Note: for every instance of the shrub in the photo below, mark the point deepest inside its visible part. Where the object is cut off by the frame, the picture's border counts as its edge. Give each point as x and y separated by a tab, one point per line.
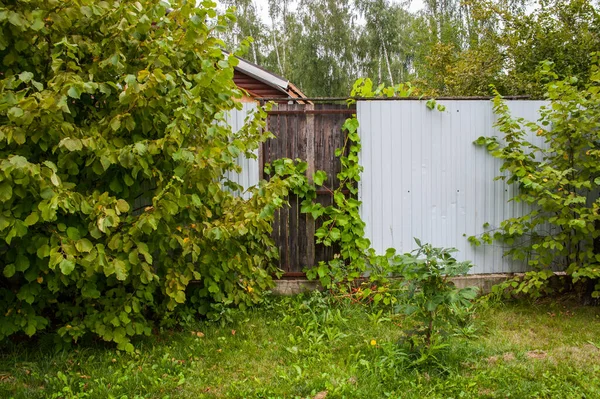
559	180
432	300
102	105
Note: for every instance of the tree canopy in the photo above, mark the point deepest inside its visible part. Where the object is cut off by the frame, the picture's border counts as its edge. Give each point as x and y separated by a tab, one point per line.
450	47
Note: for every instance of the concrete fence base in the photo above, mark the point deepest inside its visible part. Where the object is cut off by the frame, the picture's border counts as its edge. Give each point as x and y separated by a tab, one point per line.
484	282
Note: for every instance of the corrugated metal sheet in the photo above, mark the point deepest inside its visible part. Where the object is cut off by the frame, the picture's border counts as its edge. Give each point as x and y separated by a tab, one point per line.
249	175
423	177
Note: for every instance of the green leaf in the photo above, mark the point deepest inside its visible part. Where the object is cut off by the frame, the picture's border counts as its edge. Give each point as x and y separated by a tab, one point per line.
122	206
481	141
115	185
89	290
85	207
25	76
32	219
43	251
180	297
84	245
66	267
71	144
115	124
22	263
4	222
120	269
5	191
38	23
30	329
19	136
15	112
164	60
469	293
319	177
55	179
16	19
170	206
73	233
74	92
9	270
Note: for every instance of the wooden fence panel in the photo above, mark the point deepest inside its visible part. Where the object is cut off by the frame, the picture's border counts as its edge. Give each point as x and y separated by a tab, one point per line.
311	133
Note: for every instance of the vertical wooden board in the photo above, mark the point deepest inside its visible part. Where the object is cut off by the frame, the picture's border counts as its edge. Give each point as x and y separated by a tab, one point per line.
318	144
292	222
270	147
334	132
338	141
298	222
300	149
308	141
322	140
283	212
276	126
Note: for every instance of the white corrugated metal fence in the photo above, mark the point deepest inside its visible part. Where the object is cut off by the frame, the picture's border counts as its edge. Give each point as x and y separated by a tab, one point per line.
249	176
423	177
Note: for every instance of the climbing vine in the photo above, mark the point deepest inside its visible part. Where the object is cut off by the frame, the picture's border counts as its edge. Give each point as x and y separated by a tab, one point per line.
342	224
414	283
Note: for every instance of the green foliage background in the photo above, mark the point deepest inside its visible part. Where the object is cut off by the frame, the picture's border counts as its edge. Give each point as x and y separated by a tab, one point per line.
446	48
105	105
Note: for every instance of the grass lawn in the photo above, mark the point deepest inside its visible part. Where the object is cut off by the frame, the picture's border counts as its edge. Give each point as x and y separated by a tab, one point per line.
305	347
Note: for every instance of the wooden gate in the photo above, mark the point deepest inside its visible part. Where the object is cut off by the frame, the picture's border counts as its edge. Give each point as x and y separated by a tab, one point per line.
311	132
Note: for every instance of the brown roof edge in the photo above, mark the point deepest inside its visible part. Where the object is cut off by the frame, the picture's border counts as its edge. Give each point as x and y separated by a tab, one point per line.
295	92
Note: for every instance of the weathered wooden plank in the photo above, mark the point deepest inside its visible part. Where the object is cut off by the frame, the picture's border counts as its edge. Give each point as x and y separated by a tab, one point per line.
275	126
284	253
309	227
321	139
292	224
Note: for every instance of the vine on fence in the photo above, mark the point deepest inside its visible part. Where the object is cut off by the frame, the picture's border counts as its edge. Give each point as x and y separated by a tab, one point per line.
342	223
423	291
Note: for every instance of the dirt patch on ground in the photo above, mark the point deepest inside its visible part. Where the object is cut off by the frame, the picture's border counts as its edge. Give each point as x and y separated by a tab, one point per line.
584	354
536	354
507	357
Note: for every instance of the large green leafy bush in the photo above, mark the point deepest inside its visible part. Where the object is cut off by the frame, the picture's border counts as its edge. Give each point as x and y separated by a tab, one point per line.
559	180
112	155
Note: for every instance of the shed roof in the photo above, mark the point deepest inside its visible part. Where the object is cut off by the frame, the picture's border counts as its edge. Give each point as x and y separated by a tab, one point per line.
261	83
